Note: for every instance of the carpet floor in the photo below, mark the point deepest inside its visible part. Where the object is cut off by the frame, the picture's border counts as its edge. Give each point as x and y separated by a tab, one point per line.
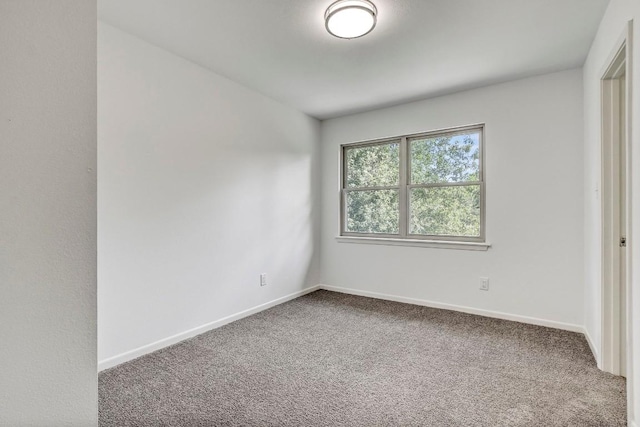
329	359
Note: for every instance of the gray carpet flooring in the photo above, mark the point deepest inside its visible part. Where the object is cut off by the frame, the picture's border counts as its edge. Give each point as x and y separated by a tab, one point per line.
328	359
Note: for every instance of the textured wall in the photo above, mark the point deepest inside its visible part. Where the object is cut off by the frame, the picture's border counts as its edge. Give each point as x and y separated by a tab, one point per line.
48	213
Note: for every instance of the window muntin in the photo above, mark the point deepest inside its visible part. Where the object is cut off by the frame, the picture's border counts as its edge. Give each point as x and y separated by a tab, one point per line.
426	186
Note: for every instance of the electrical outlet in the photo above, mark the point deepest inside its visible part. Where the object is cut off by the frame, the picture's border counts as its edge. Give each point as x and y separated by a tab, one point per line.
484	283
263	279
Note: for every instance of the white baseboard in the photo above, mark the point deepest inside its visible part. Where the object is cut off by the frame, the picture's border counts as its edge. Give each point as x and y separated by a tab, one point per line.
594	349
632	423
165	342
453	307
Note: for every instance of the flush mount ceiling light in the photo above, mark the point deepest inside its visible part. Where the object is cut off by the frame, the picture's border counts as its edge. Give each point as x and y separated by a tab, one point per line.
350	19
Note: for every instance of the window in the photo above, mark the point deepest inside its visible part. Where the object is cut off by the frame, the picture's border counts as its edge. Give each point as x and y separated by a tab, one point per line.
423	187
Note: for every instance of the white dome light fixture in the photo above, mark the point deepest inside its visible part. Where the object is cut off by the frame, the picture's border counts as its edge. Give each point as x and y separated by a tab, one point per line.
350	19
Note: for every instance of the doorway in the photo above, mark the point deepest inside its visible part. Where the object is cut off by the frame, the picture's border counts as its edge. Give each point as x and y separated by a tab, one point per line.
615	137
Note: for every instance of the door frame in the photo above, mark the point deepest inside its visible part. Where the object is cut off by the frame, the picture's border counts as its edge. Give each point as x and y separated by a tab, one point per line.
615	287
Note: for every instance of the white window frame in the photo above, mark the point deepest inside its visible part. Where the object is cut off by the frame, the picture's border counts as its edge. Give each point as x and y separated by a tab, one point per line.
404	186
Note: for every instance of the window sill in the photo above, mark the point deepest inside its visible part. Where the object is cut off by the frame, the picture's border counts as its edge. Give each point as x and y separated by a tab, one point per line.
442	244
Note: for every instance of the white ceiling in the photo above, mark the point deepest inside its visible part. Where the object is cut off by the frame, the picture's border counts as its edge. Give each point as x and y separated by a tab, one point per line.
419	49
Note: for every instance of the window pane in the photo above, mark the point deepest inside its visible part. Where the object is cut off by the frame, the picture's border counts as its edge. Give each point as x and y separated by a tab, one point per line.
445	211
373	166
445	158
373	211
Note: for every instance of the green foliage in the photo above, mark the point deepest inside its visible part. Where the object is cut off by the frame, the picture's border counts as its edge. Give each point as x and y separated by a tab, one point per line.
373	211
446	210
373	166
445	159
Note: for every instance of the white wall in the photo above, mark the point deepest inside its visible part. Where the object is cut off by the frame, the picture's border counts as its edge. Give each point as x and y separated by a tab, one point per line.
534	163
48	213
202	185
611	28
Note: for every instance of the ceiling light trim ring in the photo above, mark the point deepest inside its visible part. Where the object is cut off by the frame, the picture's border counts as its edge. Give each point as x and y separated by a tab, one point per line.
372	10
